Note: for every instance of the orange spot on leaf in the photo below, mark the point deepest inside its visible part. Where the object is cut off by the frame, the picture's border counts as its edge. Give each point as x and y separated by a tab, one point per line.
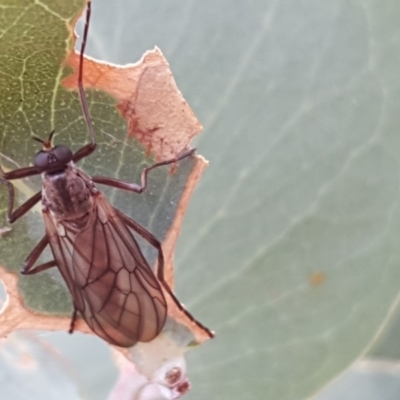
317	278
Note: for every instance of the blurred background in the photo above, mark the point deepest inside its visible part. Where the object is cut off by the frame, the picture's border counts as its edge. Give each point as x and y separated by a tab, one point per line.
290	247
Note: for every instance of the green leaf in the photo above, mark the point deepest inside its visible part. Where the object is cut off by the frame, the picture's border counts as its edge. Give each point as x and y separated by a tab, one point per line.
38	101
31	70
290	249
32	369
365	380
303	182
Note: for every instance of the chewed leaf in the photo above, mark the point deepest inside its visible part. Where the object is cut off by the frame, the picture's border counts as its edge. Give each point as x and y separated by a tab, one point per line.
147	98
138	113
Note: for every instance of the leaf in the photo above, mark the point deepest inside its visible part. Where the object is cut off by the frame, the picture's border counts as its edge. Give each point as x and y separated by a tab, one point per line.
300	105
148	99
301	128
40	104
365	380
32	369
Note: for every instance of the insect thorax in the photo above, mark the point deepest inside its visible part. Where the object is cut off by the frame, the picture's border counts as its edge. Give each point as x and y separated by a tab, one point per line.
67	194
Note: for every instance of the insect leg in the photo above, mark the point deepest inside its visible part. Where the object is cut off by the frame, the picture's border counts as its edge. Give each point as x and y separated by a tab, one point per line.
39	268
28	269
28	266
84	151
133	187
73	320
24	208
145	234
19	173
90	147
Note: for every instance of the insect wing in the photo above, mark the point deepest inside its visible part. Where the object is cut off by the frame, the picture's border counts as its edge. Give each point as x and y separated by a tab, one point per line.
112	285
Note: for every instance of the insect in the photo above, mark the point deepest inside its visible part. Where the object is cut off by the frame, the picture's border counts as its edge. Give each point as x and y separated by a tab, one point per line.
112	285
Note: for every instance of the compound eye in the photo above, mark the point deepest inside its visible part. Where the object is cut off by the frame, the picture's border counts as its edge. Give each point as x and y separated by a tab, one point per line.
62	154
41	160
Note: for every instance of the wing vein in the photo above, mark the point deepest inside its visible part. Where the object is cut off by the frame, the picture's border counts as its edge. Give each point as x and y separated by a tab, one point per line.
112	285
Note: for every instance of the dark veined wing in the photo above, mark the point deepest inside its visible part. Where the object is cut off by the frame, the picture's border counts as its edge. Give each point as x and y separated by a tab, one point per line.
112	285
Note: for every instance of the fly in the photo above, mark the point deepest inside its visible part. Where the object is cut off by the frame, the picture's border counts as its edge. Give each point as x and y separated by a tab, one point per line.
112	285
